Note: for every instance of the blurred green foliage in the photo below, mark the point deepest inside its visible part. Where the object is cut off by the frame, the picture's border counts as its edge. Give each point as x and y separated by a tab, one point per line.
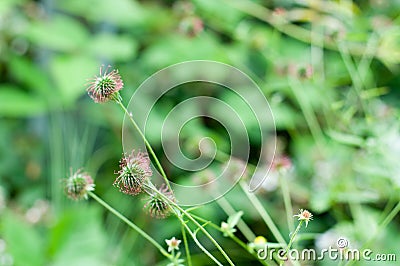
330	70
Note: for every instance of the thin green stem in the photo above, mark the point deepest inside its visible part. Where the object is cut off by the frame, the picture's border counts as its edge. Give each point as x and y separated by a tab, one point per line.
293	236
389	205
263	213
151	151
174	206
243	227
388	218
185	241
221	156
286	200
382	225
233	237
197	241
308	113
292	30
203	230
130	224
354	75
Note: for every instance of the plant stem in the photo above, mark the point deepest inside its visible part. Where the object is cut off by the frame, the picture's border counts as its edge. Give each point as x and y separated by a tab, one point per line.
203	230
119	102
354	75
178	212
292	30
130	224
185	241
308	112
263	213
233	237
286	200
243	227
382	225
197	241
293	237
390	216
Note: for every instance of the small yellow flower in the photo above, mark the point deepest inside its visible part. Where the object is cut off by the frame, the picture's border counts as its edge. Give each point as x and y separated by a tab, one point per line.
260	240
304	215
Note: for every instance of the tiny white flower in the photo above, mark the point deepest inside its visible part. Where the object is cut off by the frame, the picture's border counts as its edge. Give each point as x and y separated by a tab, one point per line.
173	243
304	215
225	226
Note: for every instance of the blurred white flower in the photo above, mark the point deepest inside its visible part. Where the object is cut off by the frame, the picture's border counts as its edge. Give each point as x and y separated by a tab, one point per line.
36	213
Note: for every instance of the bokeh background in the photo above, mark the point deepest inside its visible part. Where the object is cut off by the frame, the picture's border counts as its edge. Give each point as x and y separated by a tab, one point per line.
330	70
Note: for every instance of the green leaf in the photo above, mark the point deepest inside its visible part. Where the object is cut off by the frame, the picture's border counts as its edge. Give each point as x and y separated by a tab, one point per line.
71	73
121	12
23	242
17	103
175	49
7	5
113	47
78	238
29	74
234	219
61	33
346	138
225	16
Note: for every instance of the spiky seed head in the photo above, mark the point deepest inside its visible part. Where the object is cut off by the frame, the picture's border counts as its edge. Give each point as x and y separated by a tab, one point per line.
105	86
77	185
157	206
133	174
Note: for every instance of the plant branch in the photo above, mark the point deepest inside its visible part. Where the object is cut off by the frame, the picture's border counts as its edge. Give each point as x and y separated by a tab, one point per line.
130	224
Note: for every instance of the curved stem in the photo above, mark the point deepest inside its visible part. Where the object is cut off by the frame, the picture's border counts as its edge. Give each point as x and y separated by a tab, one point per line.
151	151
381	226
197	241
263	213
206	233
201	228
292	30
178	211
243	227
233	237
130	224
